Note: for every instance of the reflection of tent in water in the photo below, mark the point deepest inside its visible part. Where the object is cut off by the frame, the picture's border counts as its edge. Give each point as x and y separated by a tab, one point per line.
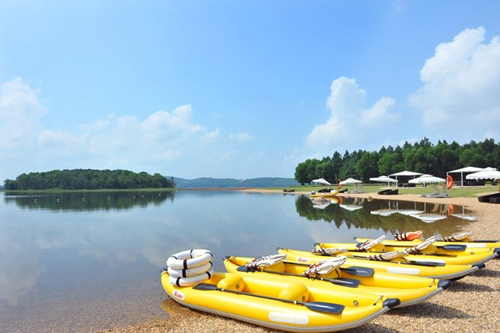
321	203
464	216
357	204
385	211
429	217
438	212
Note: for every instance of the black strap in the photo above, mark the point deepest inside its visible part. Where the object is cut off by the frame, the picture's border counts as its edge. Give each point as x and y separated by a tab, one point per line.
177	282
184	263
209	276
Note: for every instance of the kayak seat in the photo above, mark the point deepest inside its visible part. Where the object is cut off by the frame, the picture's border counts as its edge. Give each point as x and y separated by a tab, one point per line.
296	291
232	282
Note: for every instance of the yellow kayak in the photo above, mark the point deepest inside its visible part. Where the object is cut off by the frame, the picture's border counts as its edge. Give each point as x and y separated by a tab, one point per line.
445	271
409	290
431	253
325	195
464	245
279	302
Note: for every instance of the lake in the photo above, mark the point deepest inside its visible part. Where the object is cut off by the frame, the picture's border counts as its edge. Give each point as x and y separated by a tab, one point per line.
83	261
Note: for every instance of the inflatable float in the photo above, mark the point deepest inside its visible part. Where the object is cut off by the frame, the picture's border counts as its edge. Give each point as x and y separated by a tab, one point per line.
279	302
409	290
438	270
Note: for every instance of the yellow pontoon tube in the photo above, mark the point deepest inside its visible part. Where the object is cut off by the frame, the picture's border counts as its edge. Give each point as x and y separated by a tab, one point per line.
409	290
445	271
279	302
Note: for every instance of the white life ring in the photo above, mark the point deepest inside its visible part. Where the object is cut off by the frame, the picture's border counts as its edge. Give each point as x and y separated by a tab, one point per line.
189	259
189	281
190	271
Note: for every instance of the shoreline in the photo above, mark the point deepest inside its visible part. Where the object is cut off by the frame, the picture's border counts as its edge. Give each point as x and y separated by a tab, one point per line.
469	305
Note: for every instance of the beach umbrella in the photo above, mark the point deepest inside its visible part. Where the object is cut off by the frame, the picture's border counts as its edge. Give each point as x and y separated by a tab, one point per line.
350	181
321	181
384	179
355	182
429	179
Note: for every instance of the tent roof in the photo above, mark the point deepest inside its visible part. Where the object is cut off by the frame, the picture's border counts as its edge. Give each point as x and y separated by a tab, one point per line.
349	181
406	173
321	181
427	179
383	179
467	169
485	174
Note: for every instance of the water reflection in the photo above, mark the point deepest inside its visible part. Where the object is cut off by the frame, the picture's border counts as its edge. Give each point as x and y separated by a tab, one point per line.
88	201
390	216
58	257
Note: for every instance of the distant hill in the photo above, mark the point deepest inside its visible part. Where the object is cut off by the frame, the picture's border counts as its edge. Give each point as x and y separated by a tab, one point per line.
231	182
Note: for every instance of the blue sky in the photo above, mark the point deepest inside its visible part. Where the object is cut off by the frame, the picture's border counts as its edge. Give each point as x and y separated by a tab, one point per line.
239	89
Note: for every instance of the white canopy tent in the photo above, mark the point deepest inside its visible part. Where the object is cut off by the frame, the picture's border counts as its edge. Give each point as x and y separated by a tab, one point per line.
468	169
320	181
357	184
384	179
429	179
487	173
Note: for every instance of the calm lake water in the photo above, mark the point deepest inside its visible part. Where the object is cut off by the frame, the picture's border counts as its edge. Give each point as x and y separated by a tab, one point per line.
83	261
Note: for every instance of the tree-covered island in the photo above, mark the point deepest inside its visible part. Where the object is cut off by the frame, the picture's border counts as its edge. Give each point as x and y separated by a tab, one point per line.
87	179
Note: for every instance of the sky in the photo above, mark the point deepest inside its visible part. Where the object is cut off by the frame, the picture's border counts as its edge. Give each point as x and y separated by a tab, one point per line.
239	89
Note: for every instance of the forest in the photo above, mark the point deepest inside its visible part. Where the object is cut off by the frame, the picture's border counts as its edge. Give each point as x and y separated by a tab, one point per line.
422	156
87	179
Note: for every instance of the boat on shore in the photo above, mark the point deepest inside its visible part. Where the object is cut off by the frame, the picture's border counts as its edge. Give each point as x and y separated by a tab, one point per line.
417	268
410	290
279	302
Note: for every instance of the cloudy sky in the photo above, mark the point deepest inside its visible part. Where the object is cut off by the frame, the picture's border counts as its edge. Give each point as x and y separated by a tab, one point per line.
239	89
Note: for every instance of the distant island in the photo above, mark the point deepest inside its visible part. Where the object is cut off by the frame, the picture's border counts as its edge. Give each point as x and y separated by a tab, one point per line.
87	179
207	182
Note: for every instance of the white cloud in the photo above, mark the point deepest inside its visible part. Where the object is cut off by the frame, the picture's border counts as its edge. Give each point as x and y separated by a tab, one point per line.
350	122
241	137
20	113
171	154
460	83
109	142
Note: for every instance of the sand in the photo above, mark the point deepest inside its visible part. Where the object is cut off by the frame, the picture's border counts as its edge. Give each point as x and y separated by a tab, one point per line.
469	305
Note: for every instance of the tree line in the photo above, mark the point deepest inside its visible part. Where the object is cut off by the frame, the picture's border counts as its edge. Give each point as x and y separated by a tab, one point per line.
422	156
87	179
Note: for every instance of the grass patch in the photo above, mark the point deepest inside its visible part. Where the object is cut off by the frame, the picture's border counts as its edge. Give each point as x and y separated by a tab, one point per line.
456	192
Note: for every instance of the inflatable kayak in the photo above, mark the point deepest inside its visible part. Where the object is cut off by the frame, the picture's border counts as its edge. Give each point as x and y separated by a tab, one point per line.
426	269
425	251
456	241
409	290
279	302
331	194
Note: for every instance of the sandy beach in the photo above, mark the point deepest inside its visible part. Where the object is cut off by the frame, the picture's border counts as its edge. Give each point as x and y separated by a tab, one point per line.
469	305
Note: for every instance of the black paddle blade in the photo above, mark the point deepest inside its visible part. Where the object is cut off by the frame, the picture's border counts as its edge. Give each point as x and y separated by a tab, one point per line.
359	271
205	286
324	307
453	247
427	263
345	282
